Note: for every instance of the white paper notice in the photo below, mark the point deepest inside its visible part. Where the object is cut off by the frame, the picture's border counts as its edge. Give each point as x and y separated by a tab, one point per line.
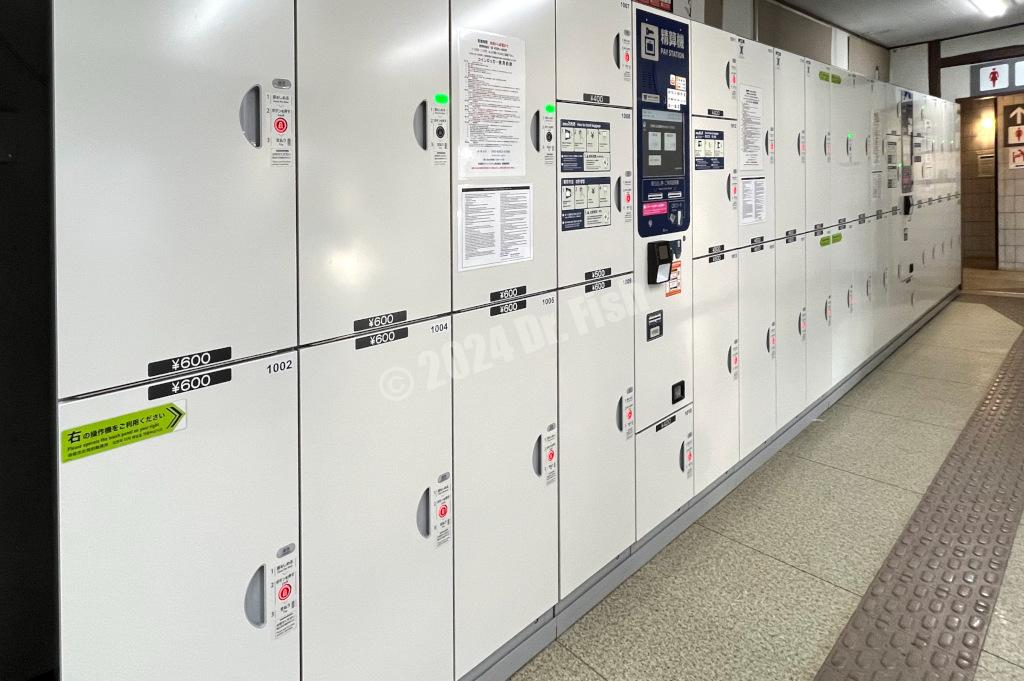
877	180
752	136
753	200
495	226
492	105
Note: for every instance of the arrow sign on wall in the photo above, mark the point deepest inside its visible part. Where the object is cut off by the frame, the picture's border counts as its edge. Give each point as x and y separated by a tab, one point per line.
1017	114
1013	125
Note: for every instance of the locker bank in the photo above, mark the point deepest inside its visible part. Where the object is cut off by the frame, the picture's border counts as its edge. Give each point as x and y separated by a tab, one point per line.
458	340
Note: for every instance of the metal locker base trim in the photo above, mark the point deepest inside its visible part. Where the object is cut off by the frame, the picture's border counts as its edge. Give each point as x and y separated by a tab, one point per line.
520	650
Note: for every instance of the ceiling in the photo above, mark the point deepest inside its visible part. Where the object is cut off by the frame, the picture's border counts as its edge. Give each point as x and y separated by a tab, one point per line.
902	22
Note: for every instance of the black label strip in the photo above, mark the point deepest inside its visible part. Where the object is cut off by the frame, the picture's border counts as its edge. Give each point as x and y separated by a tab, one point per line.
380	321
382	338
193	360
189	384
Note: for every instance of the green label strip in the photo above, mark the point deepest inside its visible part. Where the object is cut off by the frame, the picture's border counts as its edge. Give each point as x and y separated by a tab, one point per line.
836	79
127	429
825	240
836	238
823	75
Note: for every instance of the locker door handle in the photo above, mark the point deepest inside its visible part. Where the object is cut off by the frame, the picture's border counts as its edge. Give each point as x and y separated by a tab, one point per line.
618	194
537	464
728	359
799	150
849	298
682	457
885	279
535	130
419	124
768	340
867	288
249	116
728	187
728	80
616	47
423	514
824	147
766	152
255	603
618	415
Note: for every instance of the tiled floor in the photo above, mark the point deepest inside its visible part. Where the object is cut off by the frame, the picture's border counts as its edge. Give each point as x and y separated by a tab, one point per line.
762	585
1011	281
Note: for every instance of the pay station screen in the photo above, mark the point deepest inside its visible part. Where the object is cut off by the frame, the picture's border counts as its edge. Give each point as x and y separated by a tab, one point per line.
663	143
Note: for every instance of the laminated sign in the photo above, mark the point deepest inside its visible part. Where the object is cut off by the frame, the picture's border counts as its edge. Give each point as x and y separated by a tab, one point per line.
492	105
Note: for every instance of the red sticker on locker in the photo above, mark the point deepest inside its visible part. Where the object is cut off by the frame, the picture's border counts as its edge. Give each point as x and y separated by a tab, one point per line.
675	284
280	125
285	592
656	208
442	511
551	455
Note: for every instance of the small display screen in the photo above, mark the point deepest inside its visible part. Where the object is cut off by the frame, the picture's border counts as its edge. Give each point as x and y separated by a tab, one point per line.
662	133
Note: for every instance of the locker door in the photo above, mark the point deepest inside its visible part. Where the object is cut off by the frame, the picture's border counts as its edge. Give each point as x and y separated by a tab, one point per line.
716	367
885	300
842	121
819	145
715	186
374	212
757	340
595	51
790	145
862	98
755	139
819	313
175	233
506	469
377	505
503	169
184	539
597	510
663	332
664	470
713	72
843	254
790	328
595	230
866	286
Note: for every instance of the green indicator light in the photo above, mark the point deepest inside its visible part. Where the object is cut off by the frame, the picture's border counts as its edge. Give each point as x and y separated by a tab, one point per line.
849	135
441	98
550	108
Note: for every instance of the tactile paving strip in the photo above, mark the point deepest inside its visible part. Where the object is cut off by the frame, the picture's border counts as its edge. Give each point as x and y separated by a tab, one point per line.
925	615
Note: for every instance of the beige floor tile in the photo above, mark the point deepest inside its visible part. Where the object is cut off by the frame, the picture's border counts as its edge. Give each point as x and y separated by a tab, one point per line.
991	668
886	448
831	523
710	609
941	403
949	364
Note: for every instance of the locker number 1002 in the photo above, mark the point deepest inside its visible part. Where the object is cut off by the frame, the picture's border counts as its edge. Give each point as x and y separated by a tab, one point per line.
276	367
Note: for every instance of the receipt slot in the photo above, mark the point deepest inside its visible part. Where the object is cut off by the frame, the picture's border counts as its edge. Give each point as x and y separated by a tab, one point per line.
660	256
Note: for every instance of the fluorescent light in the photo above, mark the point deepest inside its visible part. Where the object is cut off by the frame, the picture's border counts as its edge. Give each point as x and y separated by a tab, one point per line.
990	8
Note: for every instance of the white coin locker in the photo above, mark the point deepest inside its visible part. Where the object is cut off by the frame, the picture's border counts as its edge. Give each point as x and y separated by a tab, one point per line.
179	548
374	210
596	428
595	192
665	460
755	139
504	150
377	505
714	186
716	372
713	71
506	467
174	188
790	328
595	51
757	340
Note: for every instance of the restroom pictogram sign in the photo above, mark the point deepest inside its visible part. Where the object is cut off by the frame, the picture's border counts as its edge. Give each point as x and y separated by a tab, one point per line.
1013	125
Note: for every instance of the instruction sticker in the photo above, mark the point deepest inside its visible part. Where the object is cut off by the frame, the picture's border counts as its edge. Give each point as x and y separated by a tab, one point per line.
495	226
586	202
441	522
586	146
708	150
102	436
753	200
283	594
492	105
752	132
549	449
281	136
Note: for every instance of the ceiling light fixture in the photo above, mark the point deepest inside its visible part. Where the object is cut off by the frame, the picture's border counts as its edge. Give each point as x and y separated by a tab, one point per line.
990	8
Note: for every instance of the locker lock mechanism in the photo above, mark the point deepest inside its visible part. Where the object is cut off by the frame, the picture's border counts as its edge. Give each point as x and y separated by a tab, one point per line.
660	256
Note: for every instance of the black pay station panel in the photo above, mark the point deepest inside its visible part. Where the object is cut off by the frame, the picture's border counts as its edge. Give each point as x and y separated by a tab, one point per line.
662	103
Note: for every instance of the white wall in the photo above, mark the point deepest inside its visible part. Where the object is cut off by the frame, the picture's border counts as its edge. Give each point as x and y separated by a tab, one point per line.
693	9
956	82
982	41
738	17
908	67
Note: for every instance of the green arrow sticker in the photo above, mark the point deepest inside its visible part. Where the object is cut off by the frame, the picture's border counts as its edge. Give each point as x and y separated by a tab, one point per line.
823	75
825	241
127	429
836	80
836	238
